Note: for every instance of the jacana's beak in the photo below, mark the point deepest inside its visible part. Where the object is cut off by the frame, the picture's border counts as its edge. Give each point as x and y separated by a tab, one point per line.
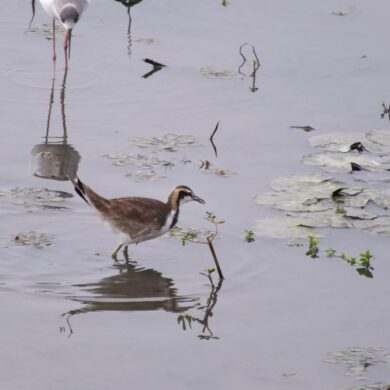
197	199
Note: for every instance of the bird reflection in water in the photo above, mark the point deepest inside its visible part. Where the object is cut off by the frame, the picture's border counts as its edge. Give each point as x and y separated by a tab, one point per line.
54	158
132	289
128	4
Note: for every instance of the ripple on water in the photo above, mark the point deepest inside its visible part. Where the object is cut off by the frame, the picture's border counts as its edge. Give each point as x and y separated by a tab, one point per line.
41	78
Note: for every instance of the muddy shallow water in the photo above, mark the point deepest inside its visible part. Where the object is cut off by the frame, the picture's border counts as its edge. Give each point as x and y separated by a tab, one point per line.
73	319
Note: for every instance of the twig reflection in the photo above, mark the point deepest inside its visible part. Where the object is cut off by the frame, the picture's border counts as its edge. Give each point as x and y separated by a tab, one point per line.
212	139
187	320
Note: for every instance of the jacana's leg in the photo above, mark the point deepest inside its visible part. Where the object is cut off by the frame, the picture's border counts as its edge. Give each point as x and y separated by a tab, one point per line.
54	40
126	253
116	251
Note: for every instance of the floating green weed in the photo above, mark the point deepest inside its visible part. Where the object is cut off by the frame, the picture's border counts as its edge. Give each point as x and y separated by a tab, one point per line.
385	110
362	262
249	236
313	247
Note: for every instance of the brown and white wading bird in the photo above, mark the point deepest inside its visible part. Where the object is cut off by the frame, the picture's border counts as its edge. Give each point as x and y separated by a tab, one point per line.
137	219
68	12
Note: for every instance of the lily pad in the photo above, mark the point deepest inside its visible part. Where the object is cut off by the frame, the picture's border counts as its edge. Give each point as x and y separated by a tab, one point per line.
139	160
168	142
374	141
216	74
283	227
358	363
149	175
36	197
300	193
347	162
315	202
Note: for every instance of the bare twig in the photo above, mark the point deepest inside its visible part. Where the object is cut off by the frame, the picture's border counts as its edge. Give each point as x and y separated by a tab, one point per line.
210	243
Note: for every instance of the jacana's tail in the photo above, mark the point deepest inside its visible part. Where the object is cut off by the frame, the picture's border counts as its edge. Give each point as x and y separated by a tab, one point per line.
79	187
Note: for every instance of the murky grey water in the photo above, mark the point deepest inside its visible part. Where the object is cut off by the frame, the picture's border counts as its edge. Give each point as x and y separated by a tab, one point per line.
72	319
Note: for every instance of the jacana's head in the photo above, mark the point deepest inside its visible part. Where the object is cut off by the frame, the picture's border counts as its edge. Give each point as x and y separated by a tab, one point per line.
183	194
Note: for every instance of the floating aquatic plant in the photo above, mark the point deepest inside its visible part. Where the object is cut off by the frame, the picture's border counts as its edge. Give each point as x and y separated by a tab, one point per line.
385	110
249	236
216	74
36	197
149	175
362	262
167	142
358	363
32	238
313	201
208	167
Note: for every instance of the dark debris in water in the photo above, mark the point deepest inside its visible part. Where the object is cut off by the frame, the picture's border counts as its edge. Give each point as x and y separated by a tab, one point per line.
304	128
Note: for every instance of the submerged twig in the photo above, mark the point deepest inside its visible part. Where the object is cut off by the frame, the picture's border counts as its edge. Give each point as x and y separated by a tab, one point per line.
212	139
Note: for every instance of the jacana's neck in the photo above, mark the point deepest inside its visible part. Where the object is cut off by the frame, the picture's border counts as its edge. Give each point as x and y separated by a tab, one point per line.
174	208
174	201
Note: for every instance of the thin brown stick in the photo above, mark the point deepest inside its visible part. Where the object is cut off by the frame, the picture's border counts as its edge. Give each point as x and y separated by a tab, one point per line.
210	243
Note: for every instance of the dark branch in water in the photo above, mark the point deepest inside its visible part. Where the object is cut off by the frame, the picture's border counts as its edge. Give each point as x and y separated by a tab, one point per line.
212	139
210	243
156	67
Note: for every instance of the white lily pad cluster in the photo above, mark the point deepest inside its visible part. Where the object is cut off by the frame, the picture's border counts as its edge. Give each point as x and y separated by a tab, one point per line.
168	142
32	238
146	175
315	201
140	160
35	197
358	362
153	165
345	153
